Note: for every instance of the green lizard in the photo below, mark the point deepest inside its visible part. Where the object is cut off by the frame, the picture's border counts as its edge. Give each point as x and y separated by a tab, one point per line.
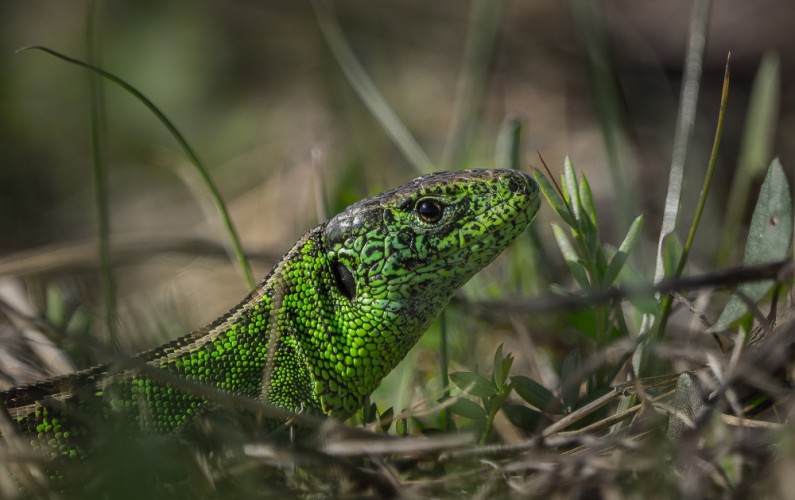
318	334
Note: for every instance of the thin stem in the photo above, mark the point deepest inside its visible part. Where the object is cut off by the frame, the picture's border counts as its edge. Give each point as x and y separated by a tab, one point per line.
667	301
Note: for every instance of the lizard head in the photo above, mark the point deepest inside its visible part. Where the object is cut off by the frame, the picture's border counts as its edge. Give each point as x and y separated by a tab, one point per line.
397	258
422	241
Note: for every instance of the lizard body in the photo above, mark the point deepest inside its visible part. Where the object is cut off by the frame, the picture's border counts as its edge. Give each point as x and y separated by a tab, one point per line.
322	329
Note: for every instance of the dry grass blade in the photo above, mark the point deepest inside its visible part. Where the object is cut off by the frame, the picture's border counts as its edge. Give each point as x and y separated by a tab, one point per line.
406	446
124	249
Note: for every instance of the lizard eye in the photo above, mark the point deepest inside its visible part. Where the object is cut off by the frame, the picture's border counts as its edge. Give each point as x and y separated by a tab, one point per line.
430	210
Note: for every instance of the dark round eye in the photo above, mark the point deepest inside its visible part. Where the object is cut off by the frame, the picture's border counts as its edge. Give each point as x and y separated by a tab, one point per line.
430	211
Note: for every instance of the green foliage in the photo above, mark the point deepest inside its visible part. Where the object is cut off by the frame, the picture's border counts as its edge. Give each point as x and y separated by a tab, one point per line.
493	394
593	265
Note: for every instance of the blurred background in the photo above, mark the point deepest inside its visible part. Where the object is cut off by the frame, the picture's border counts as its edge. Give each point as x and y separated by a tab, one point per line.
257	91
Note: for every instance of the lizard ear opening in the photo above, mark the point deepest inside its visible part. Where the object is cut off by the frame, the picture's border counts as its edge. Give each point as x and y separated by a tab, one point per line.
344	278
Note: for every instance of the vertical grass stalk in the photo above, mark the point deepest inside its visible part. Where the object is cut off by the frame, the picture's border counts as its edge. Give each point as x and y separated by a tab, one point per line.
686	120
97	111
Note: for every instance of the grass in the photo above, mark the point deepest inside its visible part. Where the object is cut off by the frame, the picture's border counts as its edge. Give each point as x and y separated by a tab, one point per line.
592	387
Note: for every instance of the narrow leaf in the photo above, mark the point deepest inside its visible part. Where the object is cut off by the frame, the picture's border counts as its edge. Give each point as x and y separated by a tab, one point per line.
571	189
497	373
468	409
620	258
473	384
586	200
769	239
552	196
570	256
535	394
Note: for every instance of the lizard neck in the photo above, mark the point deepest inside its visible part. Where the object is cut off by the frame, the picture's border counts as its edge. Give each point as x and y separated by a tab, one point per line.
256	349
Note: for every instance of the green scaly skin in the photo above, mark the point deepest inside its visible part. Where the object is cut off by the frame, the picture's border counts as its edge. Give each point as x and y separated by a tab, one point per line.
318	334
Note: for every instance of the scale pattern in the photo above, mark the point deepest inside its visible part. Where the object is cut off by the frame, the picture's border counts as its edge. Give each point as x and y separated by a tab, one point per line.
318	334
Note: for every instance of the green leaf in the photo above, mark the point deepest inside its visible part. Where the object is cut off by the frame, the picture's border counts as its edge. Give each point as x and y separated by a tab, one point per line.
523	417
672	254
467	409
769	239
620	258
473	384
535	394
497	373
502	367
570	256
570	188
586	199
588	233
506	367
553	198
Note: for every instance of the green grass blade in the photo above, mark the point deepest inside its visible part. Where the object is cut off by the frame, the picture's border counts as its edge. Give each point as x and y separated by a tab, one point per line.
97	110
713	158
367	90
237	247
769	240
685	123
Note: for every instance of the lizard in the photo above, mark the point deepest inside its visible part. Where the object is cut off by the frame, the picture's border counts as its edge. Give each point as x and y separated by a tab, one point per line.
336	314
